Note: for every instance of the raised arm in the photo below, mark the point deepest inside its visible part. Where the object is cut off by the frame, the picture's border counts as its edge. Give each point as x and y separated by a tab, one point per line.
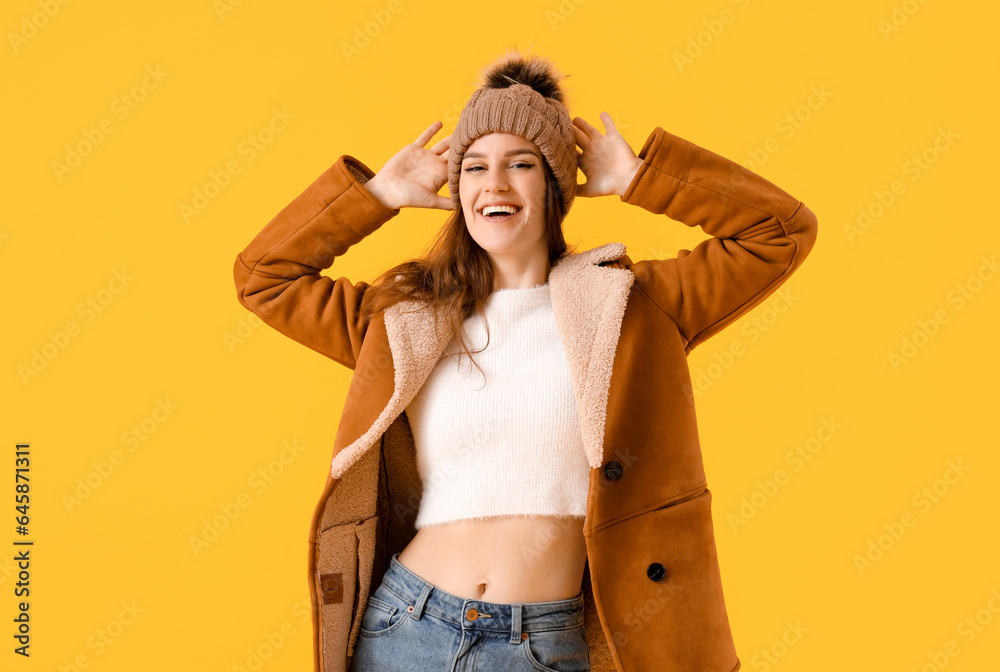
278	274
761	234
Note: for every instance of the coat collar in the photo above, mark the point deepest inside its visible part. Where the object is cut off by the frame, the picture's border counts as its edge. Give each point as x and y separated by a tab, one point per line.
588	301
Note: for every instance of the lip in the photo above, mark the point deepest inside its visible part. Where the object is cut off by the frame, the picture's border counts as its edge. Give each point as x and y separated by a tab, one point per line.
479	211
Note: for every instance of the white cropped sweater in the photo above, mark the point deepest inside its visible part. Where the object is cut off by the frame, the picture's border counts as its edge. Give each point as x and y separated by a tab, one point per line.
510	444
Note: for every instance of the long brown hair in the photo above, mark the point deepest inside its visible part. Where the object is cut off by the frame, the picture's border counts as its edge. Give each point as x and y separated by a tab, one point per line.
455	275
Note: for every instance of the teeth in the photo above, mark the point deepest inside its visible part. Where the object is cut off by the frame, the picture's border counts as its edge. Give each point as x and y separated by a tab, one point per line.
508	209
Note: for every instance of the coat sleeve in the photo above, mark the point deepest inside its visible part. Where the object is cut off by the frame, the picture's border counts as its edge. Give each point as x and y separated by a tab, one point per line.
760	233
278	274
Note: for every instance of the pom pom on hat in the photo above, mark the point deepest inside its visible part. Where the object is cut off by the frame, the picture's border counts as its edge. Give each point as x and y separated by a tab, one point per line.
522	96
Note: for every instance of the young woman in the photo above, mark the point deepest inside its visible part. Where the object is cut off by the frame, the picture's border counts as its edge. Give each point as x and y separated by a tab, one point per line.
517	482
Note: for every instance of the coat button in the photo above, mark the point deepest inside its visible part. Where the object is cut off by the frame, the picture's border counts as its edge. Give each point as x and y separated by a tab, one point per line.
613	470
656	571
472	614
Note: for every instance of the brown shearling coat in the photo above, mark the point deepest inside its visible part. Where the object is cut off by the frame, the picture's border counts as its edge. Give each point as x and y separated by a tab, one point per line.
652	584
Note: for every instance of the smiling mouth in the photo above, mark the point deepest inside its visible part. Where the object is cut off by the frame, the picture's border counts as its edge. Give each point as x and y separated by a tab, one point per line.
499	214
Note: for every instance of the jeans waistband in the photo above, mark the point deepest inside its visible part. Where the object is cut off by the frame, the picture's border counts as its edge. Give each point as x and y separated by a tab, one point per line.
470	614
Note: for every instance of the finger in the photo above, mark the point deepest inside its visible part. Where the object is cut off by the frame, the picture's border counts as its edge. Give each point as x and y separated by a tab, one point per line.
586	127
445	203
429	133
581	137
609	123
442	146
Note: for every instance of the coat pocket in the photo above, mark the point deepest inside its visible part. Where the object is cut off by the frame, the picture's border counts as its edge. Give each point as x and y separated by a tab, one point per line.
343	576
658	582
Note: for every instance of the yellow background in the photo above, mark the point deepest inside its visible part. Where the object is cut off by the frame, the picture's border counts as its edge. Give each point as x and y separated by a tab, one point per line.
240	393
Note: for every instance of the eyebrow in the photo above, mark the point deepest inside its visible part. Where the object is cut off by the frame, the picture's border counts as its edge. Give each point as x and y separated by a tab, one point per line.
513	152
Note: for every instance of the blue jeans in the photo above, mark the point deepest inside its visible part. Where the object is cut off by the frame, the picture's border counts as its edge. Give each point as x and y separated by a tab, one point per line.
412	625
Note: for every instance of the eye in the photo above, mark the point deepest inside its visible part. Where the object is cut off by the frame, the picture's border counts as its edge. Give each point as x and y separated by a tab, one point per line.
519	164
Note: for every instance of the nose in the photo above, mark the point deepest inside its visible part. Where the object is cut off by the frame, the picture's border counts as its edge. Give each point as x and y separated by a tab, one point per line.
496	182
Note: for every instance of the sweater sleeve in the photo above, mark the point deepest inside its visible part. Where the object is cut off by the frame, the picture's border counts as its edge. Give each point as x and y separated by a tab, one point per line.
761	234
278	274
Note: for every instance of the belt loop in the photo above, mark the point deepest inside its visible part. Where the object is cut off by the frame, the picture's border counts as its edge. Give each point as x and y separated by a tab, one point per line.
418	608
515	624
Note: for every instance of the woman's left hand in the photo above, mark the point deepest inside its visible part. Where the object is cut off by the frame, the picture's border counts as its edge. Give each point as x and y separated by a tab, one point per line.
607	160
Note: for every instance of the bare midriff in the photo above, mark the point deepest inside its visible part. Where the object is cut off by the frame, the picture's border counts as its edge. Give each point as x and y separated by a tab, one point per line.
505	560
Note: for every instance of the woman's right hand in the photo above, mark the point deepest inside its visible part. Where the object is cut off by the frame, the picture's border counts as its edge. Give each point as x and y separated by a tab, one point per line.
414	175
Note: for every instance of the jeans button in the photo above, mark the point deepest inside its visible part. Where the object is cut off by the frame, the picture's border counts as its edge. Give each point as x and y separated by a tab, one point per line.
472	614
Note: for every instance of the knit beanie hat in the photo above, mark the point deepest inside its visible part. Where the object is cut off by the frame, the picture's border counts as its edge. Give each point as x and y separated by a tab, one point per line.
520	96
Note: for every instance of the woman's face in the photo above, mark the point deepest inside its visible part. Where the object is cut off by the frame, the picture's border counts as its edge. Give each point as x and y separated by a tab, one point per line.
502	168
